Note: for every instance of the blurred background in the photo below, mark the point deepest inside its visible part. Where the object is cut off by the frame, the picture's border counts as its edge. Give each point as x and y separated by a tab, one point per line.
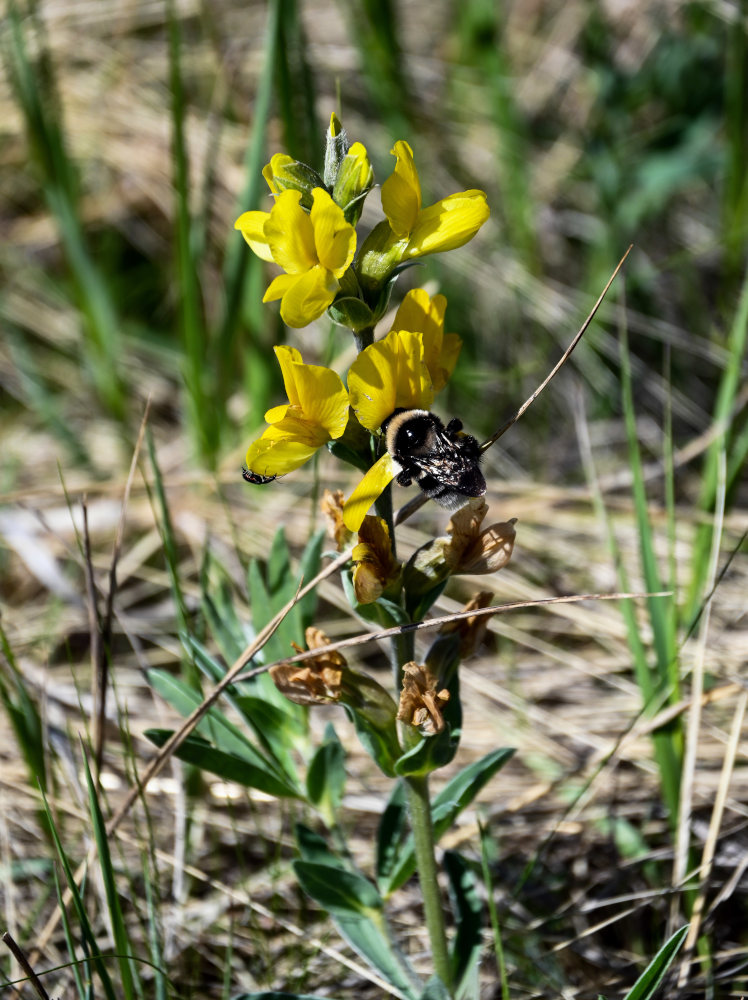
133	135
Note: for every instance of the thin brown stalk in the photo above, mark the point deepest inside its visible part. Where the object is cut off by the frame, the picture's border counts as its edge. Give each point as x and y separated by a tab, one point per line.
408	509
409	629
24	963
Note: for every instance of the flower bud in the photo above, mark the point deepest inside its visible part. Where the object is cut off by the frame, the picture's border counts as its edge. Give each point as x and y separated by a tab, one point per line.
283	173
353	182
427	567
336	146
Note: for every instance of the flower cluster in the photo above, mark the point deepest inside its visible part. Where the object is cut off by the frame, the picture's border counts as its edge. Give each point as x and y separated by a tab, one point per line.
310	233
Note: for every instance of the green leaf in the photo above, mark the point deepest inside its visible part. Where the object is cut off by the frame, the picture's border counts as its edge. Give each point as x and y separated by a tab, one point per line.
356	907
436	990
393	827
325	779
215	727
314	848
231	767
308	569
646	985
467	907
446	807
348	894
383	613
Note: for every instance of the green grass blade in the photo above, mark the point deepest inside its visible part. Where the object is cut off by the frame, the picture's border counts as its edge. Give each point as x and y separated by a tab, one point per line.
239	266
203	413
36	94
733	444
498	944
648	983
122	944
665	683
89	938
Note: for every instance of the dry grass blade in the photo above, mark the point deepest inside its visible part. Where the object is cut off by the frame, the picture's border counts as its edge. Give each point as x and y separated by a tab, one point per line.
20	957
707	857
561	362
683	837
496	609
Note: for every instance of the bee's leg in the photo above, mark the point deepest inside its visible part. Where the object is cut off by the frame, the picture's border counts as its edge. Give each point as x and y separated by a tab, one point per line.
453	428
404	478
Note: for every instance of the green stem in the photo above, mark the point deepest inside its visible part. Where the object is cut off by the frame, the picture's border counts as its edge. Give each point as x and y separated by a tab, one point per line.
363	338
419	807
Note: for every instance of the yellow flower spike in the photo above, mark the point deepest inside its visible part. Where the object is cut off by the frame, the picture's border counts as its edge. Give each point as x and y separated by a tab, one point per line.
314	250
389	374
316	412
446	225
419	312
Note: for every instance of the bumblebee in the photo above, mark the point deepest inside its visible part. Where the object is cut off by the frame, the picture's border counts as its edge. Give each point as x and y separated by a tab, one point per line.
255	478
443	461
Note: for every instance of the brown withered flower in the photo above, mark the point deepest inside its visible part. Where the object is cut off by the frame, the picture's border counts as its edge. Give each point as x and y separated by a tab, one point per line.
470	631
374	567
465	549
421	702
332	508
315	682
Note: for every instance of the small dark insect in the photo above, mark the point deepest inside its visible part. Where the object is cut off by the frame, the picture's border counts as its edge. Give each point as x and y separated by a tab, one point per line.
443	461
255	478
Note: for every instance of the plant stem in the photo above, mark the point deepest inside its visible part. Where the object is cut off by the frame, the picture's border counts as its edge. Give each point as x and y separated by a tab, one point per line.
419	807
363	338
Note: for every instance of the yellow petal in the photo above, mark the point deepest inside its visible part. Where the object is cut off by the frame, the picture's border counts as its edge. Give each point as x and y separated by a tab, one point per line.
323	398
276	413
288	359
448	224
334	238
277	457
418	311
376	480
279	286
271	170
401	192
389	374
290	235
414	388
252	227
308	296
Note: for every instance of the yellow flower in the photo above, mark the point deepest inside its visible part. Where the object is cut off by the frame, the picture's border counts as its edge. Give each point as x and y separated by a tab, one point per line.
448	224
403	370
316	412
314	250
387	375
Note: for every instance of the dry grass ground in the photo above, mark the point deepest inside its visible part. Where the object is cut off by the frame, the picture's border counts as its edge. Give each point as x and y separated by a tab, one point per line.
583	857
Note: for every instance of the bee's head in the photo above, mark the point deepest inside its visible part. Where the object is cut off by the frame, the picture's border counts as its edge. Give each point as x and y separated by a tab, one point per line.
407	432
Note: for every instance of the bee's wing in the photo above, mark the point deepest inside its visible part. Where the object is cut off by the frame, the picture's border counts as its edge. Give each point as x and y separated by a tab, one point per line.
450	465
